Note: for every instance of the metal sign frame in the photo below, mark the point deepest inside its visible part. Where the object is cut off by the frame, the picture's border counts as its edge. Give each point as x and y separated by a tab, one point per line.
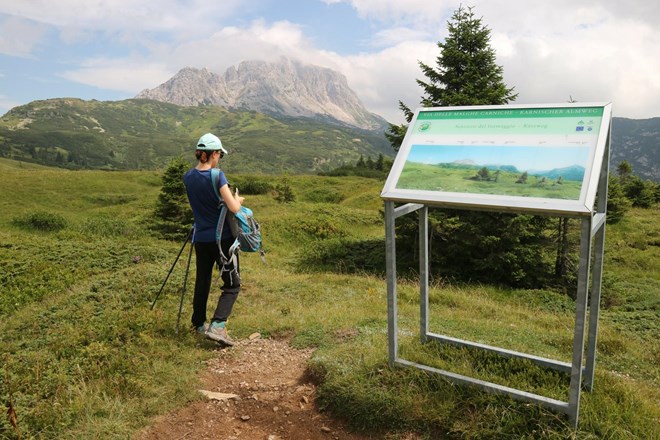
592	238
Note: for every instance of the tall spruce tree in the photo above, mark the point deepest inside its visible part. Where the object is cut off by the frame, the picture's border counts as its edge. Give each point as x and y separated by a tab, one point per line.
466	72
489	247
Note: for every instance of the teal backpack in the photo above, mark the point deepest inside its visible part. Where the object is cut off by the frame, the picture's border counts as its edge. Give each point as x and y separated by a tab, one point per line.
244	228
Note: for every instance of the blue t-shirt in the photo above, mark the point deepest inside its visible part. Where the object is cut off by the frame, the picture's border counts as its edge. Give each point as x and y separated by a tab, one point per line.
204	204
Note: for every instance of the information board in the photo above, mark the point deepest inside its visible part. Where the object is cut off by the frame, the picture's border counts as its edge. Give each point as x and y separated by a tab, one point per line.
541	158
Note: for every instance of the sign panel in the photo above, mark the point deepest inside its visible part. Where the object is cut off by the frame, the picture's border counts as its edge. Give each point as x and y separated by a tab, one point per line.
543	158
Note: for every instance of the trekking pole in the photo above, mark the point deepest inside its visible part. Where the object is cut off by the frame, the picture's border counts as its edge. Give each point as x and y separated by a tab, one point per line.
183	290
185	242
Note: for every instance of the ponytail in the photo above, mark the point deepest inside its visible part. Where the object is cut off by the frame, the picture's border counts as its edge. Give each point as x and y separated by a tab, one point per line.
201	156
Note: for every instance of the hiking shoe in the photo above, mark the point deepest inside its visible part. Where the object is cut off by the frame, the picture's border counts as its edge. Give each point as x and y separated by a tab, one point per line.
218	333
202	329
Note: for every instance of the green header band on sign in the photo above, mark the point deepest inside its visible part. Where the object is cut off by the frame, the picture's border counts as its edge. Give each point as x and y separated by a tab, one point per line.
567	112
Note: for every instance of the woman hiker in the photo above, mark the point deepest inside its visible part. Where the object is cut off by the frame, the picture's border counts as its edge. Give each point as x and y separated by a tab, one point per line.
204	204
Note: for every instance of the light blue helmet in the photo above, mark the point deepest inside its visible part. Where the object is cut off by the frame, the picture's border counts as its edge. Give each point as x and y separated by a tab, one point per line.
210	142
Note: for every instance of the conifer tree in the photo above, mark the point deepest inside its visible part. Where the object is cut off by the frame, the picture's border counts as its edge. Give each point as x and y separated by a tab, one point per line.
617	202
640	193
284	192
173	216
380	162
625	171
466	72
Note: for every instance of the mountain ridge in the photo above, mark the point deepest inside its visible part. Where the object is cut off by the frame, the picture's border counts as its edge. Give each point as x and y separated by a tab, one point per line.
285	87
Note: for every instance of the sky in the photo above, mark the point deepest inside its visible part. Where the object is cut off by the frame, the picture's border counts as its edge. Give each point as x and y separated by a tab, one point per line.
550	51
523	158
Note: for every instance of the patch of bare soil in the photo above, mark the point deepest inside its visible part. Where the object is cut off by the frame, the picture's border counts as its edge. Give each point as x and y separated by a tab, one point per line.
259	390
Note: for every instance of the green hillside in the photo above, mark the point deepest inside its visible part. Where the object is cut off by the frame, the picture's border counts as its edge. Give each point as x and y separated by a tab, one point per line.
143	134
84	357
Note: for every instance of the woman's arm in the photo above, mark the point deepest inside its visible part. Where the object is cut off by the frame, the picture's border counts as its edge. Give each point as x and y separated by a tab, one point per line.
233	203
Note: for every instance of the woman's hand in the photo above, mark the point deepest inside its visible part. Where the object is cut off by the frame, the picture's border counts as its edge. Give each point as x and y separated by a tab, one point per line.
233	203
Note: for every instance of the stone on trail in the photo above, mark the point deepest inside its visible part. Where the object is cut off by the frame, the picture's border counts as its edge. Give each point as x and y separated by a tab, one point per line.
218	396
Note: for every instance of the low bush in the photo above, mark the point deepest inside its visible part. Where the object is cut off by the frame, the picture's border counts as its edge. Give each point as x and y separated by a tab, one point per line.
41	220
250	186
319	226
324	195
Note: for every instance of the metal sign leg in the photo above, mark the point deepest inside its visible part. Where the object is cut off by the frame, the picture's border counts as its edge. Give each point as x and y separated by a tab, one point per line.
423	273
594	307
390	256
580	321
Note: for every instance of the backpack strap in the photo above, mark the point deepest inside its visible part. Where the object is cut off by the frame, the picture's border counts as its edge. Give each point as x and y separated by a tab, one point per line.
215	181
233	250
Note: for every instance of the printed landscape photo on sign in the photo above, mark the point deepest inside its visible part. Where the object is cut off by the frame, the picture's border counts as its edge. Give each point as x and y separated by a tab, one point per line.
507	170
520	158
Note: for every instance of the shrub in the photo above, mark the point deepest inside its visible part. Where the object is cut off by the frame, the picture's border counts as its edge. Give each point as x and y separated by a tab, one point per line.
250	186
312	225
284	192
324	195
41	220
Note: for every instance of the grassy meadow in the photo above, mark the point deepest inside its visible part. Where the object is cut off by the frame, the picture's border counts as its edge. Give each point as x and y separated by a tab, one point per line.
461	179
84	357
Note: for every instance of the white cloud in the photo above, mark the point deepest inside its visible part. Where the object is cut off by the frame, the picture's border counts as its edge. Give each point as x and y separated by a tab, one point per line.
393	36
149	15
231	45
419	12
121	21
19	37
607	60
122	75
382	79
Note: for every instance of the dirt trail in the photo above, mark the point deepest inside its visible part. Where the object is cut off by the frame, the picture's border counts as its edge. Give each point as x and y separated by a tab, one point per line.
274	399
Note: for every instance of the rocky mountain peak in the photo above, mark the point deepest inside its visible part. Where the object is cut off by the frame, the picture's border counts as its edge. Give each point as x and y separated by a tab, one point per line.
285	87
